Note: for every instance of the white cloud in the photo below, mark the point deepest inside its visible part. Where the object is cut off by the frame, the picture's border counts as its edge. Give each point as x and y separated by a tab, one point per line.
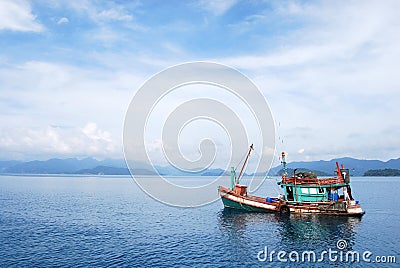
115	14
63	20
93	132
52	141
332	77
16	15
173	48
217	7
333	34
96	11
35	95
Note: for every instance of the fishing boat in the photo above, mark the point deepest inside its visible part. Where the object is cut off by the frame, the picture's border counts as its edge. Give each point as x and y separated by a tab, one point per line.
303	193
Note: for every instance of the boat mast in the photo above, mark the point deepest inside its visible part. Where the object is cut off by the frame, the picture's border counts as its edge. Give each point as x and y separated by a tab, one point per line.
244	164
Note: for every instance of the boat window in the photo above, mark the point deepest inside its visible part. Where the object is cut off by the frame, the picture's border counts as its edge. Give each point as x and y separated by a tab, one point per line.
313	190
321	190
304	190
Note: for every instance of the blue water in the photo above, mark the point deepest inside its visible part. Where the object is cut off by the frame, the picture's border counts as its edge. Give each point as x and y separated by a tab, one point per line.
110	222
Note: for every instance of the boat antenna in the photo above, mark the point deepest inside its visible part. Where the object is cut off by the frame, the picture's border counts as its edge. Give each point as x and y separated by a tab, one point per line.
284	164
244	164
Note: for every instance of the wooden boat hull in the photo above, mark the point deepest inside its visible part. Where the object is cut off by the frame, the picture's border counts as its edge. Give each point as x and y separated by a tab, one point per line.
246	202
229	203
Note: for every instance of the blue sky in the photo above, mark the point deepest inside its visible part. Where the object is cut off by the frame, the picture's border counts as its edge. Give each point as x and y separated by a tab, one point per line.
329	70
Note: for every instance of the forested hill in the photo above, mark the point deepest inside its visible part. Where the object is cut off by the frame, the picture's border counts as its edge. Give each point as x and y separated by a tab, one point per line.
387	172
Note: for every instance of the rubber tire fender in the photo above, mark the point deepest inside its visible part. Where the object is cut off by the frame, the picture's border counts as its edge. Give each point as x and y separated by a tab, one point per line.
284	210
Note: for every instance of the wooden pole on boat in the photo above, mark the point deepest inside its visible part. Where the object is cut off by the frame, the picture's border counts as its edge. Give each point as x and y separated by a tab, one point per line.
233	178
244	164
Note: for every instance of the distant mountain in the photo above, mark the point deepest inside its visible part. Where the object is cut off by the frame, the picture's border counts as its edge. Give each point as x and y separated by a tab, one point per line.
104	170
118	167
95	167
72	166
172	171
215	172
357	167
6	164
53	166
120	163
387	172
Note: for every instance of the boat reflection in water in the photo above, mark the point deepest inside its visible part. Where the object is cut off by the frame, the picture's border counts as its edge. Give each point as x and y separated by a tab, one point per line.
287	232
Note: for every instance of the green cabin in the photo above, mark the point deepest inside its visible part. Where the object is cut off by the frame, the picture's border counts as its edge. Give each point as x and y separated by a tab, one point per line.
306	187
313	193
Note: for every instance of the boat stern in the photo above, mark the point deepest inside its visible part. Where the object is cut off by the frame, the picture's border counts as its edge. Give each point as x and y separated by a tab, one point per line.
354	208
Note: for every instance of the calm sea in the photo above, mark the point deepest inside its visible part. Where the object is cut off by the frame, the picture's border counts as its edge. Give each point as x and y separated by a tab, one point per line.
110	222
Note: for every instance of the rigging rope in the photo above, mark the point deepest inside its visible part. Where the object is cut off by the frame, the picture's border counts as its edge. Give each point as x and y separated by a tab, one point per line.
239	164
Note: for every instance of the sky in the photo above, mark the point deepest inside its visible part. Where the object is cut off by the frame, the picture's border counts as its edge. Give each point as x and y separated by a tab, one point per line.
328	69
